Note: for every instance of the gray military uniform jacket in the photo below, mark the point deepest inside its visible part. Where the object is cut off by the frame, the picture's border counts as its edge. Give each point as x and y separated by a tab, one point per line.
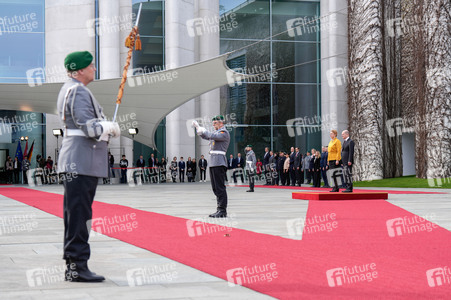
80	114
219	142
251	161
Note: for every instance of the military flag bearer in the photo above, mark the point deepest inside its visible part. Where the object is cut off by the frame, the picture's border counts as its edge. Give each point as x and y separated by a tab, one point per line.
219	142
83	159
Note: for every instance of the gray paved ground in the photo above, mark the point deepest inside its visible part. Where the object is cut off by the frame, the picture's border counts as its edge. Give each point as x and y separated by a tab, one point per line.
40	245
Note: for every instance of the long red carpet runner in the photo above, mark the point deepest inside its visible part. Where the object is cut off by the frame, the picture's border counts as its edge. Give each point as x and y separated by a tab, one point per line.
353	249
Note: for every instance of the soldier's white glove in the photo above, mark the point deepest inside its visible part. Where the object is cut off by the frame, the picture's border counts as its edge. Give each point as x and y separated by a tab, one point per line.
195	124
201	130
109	128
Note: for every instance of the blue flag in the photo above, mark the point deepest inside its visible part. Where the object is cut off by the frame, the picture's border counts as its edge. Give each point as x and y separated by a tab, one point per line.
19	154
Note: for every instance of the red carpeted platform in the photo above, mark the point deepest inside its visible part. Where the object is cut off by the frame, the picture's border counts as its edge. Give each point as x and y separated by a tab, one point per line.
339	196
328	189
319	266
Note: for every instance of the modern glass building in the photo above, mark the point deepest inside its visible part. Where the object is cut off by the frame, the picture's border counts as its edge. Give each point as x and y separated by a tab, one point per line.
258	34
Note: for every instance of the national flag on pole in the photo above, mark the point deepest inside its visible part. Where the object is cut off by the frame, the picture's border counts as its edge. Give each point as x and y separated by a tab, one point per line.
31	151
19	154
25	152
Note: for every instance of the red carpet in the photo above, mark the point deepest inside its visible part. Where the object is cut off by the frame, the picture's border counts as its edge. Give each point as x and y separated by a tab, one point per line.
325	190
392	267
318	196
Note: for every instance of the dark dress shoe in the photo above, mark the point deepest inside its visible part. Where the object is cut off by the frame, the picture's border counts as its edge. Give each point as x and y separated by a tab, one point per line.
219	214
347	191
334	190
78	271
250	191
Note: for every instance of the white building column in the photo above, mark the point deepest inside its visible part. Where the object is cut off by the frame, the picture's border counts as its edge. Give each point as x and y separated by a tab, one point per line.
334	41
179	51
208	104
109	55
65	32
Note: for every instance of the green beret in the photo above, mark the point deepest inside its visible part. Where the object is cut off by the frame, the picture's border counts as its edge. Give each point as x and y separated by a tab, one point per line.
218	118
78	60
250	146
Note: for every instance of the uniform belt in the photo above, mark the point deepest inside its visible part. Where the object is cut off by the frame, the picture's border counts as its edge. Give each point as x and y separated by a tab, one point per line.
217	152
74	132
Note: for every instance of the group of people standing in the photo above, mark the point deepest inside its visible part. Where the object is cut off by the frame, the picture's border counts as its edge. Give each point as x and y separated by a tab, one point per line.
294	168
155	171
45	167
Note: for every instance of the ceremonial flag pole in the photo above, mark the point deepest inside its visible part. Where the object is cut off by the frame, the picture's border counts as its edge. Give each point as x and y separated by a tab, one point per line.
132	40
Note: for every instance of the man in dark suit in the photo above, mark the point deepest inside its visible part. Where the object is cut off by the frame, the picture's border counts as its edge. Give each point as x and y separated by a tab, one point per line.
265	162
141	163
281	174
203	168
153	171
182	166
347	157
240	164
231	162
297	165
292	175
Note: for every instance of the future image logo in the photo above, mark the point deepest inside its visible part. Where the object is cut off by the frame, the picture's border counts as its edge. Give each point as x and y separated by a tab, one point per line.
409	225
351	274
252	274
438	276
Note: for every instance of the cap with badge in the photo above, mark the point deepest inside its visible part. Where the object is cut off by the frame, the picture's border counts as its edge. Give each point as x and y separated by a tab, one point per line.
77	60
249	146
218	118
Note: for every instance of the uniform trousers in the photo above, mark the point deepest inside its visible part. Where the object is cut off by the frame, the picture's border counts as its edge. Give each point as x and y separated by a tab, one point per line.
217	177
79	192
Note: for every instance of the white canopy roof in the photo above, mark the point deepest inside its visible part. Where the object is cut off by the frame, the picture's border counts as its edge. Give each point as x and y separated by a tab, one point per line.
150	96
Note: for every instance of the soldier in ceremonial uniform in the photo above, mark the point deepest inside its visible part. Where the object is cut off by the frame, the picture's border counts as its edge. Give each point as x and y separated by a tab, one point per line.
219	142
83	159
251	162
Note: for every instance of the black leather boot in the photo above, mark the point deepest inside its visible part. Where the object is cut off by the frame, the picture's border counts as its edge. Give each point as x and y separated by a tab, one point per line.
219	214
78	271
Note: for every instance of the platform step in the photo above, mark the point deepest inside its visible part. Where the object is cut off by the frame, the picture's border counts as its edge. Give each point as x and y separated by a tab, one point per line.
340	196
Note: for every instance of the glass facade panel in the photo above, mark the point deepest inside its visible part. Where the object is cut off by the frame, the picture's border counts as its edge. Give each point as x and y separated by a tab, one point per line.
22	55
242	13
300	15
265	109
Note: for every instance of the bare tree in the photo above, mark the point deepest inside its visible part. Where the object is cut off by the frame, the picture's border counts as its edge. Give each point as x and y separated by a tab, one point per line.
392	104
437	45
365	86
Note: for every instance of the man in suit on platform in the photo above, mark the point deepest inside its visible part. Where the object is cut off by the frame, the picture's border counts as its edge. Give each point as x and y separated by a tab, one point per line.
203	168
347	157
182	166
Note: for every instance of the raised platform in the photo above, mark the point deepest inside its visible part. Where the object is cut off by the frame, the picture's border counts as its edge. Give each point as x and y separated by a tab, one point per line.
340	196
